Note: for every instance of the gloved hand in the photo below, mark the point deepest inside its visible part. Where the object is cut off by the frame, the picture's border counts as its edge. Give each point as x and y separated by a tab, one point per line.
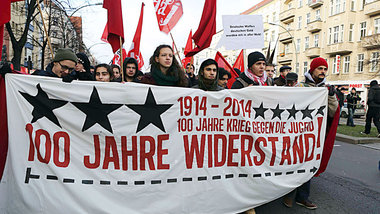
331	89
68	78
5	68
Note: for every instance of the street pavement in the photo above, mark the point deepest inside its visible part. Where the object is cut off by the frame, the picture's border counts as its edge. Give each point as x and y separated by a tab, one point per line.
351	184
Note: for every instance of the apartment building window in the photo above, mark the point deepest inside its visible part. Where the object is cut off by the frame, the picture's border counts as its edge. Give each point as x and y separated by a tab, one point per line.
363	29
274	17
297	67
267	18
341	33
334	71
305	68
299	3
308	18
360	63
299	22
330	32
318	14
352	5
346	64
374	62
316	40
272	36
351	33
306	43
288	26
298	45
336	34
286	50
266	37
377	25
289	6
331	7
337	6
343	5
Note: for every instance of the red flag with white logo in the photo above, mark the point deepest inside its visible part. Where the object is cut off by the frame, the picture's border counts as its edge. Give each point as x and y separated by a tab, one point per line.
188	47
134	51
168	12
114	23
116	58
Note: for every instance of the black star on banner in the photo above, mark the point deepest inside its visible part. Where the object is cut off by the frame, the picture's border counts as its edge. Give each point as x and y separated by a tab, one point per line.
307	113
260	111
43	106
320	110
277	112
150	112
96	111
292	112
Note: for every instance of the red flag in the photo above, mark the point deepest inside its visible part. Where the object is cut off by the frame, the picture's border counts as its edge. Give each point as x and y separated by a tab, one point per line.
134	51
116	58
206	28
114	23
5	17
239	64
222	63
188	47
168	13
105	34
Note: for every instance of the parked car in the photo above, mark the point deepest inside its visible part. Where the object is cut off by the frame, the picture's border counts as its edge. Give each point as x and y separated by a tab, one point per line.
359	111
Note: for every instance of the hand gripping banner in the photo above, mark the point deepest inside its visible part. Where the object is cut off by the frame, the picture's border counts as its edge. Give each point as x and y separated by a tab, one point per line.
94	147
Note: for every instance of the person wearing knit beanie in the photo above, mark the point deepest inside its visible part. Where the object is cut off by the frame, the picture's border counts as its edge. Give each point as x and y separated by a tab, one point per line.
318	69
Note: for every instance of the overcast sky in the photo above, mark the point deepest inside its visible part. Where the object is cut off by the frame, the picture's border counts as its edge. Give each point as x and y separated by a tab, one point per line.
95	18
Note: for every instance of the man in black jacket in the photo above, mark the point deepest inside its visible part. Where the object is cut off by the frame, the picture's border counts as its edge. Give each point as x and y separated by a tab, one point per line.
373	112
352	101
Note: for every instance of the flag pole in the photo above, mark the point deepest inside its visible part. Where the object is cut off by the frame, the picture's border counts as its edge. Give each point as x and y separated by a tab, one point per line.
46	33
122	59
175	46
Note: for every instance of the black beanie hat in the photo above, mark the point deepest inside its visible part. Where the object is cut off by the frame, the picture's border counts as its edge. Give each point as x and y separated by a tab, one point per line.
373	83
65	54
82	58
255	57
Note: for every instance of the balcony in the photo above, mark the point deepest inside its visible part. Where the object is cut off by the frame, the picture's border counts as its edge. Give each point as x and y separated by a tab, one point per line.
339	48
314	26
285	58
315	3
287	16
372	9
285	37
371	42
313	52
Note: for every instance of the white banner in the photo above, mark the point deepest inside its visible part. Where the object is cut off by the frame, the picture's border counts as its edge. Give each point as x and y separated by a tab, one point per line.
94	147
242	32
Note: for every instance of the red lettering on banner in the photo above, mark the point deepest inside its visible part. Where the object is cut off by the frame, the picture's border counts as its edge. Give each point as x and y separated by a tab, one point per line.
257	161
39	133
232	150
307	145
209	149
245	152
29	129
273	141
161	152
147	155
86	159
111	145
194	148
320	120
66	149
298	150
285	155
132	153
216	149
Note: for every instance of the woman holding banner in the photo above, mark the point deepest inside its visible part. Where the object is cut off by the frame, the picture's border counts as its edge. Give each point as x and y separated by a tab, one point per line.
165	69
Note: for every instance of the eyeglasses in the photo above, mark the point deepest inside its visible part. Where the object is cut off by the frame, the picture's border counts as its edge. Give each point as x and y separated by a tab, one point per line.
64	67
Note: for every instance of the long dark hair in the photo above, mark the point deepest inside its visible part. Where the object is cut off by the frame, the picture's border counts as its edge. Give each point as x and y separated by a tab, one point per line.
109	70
174	70
208	84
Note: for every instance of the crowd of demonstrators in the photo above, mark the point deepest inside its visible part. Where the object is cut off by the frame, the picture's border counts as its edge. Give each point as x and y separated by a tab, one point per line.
165	69
224	76
373	111
116	73
352	101
208	76
193	79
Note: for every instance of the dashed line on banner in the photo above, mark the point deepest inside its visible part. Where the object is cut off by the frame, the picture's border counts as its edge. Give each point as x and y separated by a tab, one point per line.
29	176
